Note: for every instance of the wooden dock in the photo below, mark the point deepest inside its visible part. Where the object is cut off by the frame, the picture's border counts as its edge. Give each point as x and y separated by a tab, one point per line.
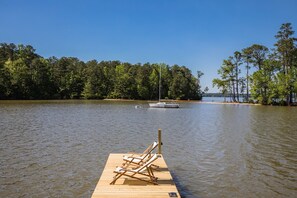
128	187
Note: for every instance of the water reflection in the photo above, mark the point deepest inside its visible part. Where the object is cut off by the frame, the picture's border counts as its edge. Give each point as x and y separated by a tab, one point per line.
59	148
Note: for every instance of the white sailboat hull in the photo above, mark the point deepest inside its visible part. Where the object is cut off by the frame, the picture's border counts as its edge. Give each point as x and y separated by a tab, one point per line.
163	105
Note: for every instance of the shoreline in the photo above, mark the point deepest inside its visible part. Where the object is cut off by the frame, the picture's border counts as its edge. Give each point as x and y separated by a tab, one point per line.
127	100
142	101
132	100
231	103
185	101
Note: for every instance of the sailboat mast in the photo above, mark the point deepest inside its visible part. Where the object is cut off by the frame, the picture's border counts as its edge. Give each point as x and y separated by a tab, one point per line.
160	84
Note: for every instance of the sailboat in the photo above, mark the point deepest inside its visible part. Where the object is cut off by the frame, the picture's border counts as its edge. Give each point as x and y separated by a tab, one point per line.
162	104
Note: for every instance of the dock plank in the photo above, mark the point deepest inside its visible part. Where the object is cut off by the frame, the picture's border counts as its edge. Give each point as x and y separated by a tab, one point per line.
128	187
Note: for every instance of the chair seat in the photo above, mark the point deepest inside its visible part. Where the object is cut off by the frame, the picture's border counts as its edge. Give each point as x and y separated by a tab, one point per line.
119	169
135	160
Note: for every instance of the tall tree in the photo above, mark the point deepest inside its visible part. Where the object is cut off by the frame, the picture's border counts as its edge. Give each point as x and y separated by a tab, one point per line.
258	55
222	85
246	55
199	87
154	81
226	82
125	86
95	85
261	88
285	47
7	52
43	86
143	81
237	61
110	78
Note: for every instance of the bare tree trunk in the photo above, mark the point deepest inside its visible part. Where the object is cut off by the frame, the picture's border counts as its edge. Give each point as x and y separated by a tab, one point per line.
247	82
237	90
234	92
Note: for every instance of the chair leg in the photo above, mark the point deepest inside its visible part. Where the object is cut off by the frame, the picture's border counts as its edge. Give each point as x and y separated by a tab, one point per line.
116	177
152	176
148	181
155	166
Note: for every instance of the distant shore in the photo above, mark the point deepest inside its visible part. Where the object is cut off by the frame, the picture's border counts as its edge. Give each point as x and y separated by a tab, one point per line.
184	101
229	103
146	101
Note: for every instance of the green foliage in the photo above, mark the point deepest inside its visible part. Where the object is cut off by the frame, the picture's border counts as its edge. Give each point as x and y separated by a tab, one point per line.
143	81
124	86
230	80
184	85
275	78
95	85
26	75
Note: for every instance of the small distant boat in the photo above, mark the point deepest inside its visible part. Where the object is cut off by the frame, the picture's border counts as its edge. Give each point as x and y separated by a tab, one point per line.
162	104
138	107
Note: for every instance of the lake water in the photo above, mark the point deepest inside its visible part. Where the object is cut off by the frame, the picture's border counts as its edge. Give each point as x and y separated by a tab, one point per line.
59	148
220	99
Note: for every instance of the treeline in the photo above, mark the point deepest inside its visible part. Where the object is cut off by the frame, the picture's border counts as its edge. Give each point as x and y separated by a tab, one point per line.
274	76
27	75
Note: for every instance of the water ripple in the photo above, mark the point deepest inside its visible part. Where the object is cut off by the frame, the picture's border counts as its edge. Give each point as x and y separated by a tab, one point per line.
59	148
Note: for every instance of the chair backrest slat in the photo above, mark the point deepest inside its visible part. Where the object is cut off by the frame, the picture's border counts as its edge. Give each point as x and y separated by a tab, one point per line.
147	163
150	148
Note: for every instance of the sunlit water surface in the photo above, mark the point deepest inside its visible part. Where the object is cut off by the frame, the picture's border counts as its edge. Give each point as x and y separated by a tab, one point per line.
59	148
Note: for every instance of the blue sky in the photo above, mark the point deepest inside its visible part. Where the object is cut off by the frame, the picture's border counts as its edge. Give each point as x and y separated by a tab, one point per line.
198	34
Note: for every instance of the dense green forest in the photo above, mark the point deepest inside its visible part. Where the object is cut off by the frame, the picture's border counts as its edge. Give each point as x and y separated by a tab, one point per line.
26	75
269	75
